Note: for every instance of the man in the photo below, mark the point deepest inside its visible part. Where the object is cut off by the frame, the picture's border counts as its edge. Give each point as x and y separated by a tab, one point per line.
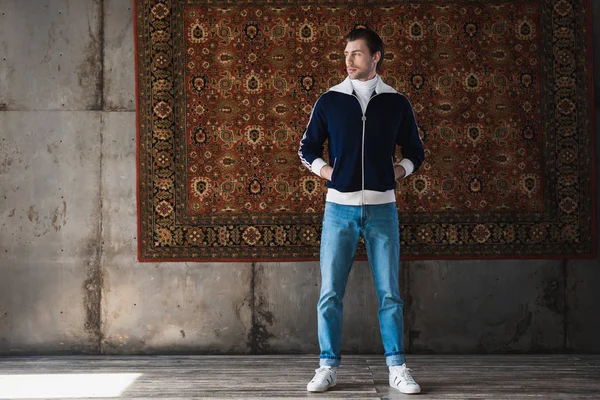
364	120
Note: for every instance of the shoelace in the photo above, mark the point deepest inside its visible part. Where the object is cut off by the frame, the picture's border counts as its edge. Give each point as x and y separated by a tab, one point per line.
322	373
405	373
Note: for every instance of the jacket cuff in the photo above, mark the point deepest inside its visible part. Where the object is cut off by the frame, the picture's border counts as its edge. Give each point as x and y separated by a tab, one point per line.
317	165
408	165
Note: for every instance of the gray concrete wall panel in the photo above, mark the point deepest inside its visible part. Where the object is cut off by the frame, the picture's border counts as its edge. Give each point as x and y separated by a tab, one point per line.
583	316
51	55
176	308
285	302
42	309
486	306
119	71
50	236
119	215
50	169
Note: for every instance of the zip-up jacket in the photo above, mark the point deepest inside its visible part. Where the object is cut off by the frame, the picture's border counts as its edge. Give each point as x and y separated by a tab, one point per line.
361	146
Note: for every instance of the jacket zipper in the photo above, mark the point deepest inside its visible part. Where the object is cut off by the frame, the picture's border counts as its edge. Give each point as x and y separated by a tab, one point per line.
364	123
364	119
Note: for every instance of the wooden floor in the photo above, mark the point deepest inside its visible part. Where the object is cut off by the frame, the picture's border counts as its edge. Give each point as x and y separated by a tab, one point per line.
246	377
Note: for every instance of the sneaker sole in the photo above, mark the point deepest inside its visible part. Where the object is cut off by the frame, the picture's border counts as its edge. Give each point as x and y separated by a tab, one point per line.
320	391
407	391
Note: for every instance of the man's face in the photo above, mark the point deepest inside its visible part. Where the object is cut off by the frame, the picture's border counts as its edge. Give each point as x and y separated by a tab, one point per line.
360	63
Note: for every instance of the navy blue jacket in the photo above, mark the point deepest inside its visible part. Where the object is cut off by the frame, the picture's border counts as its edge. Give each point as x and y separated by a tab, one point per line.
361	147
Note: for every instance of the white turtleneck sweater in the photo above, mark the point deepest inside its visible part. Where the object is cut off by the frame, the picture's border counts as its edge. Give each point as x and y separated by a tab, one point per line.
364	90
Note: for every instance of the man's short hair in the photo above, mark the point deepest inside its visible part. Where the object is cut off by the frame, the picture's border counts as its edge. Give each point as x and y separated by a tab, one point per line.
371	38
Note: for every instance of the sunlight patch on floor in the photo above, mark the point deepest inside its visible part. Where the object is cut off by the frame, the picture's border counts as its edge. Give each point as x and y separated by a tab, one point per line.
61	386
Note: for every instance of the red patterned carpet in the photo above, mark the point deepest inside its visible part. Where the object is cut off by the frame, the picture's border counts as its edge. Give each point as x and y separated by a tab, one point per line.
501	91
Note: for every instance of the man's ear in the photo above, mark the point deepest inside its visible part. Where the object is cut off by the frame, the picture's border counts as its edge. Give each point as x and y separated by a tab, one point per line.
377	57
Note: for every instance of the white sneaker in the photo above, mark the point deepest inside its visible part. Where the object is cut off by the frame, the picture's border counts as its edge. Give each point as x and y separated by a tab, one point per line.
325	378
401	379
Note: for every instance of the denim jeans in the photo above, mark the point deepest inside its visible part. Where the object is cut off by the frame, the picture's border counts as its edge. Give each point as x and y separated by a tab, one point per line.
342	226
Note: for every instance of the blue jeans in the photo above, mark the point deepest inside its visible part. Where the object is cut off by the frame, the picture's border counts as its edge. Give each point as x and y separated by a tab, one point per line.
342	226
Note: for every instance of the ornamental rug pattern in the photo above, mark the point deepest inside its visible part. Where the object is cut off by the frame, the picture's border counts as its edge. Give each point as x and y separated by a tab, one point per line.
500	89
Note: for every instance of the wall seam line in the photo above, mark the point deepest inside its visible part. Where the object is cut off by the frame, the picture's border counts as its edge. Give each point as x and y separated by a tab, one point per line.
102	55
566	307
409	302
101	190
253	325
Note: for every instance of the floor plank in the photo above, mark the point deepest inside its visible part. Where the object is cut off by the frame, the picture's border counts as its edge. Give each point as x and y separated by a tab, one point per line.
550	377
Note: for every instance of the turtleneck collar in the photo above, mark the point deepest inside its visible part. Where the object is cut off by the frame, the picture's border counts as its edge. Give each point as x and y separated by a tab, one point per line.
365	87
346	87
364	90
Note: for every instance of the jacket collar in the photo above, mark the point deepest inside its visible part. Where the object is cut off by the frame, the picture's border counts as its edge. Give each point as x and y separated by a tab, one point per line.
346	87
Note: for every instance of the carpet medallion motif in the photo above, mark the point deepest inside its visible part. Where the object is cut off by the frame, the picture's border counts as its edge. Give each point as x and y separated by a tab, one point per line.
500	90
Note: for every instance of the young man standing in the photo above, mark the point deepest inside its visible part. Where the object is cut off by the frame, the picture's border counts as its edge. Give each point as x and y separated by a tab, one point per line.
364	120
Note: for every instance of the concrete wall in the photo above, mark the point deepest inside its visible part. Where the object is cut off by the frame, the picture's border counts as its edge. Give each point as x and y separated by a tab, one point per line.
69	279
